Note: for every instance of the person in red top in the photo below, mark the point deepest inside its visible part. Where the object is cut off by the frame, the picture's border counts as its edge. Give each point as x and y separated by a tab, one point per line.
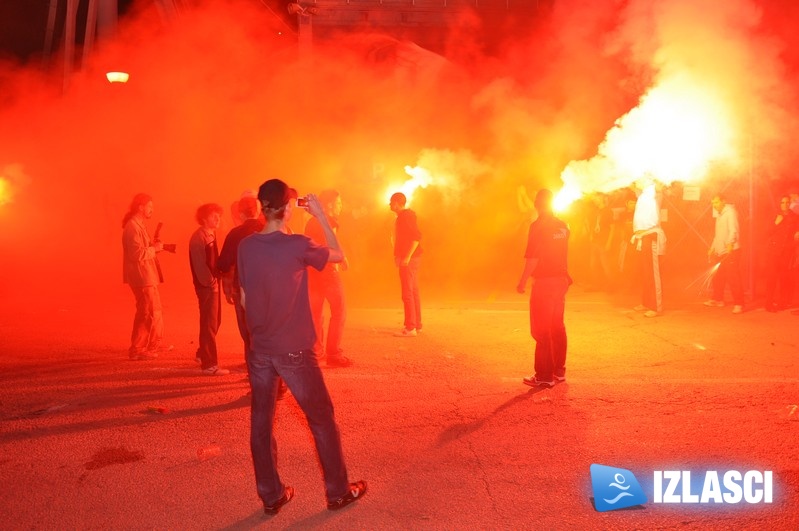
407	256
546	262
326	285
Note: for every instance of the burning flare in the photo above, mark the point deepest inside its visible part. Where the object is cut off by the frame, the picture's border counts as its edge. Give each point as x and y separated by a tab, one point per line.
680	128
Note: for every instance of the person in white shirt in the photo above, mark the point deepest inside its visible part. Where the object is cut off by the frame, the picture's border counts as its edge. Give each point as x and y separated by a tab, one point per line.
726	248
650	241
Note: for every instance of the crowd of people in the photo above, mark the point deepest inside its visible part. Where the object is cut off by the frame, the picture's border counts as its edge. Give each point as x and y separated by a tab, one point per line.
278	283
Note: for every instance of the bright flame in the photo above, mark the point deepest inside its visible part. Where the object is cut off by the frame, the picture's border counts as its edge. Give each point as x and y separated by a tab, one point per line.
566	196
678	130
5	191
117	77
420	178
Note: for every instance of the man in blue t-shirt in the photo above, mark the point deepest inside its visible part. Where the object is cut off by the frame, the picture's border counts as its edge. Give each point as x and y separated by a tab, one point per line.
546	259
272	267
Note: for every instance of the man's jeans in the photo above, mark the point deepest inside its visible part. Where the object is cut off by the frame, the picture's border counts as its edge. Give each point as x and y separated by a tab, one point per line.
409	281
148	324
547	305
209	303
300	370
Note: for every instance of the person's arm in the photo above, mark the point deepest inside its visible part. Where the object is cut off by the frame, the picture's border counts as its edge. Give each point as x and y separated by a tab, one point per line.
407	259
198	254
529	267
136	249
315	208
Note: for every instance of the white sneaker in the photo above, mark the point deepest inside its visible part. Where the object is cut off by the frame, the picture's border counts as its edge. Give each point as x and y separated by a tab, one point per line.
714	303
737	309
406	333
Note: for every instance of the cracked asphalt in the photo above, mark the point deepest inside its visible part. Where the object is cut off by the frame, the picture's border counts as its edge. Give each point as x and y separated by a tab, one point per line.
439	425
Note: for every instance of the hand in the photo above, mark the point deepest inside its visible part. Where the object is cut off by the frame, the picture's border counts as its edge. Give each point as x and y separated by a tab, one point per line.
315	207
344	265
159	246
227	289
521	286
406	261
729	248
710	252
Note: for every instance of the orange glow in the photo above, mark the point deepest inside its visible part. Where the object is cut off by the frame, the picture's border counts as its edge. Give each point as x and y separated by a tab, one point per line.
5	191
681	127
420	178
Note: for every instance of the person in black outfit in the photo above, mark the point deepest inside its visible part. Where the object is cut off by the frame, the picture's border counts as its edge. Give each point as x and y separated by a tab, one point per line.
251	222
781	245
546	262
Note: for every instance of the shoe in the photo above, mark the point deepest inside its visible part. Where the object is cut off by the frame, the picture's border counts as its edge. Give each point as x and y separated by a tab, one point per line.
713	303
288	494
737	309
198	361
640	308
771	308
651	313
532	381
215	371
559	379
339	361
141	356
405	332
356	492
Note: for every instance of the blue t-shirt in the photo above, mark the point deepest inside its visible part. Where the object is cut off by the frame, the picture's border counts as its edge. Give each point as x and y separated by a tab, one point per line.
272	272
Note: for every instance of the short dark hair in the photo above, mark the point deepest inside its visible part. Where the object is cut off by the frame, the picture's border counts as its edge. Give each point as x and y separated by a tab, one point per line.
203	211
399	198
274	194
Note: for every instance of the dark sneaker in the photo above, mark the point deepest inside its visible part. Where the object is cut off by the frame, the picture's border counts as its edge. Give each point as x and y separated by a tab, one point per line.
288	494
532	381
215	371
339	361
356	492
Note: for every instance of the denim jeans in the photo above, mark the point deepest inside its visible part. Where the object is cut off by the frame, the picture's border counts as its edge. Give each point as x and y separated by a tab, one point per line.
209	302
409	281
729	271
300	370
148	324
547	306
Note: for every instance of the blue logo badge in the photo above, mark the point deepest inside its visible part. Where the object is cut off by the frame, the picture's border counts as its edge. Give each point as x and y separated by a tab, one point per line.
615	488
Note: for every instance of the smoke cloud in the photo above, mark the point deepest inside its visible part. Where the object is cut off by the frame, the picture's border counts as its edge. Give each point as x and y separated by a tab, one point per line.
220	99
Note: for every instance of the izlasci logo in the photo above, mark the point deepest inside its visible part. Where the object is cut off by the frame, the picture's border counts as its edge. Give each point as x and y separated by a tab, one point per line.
615	488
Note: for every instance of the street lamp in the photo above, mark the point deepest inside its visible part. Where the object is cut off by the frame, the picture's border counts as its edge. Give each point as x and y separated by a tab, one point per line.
117	77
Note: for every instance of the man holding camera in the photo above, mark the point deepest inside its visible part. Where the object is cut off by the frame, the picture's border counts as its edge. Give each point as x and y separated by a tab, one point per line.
141	271
273	275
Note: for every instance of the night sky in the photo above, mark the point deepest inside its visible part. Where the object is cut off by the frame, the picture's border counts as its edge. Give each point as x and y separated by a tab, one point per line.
23	24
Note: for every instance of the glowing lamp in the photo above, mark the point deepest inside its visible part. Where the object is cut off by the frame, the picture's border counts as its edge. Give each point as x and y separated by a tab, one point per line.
117	77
